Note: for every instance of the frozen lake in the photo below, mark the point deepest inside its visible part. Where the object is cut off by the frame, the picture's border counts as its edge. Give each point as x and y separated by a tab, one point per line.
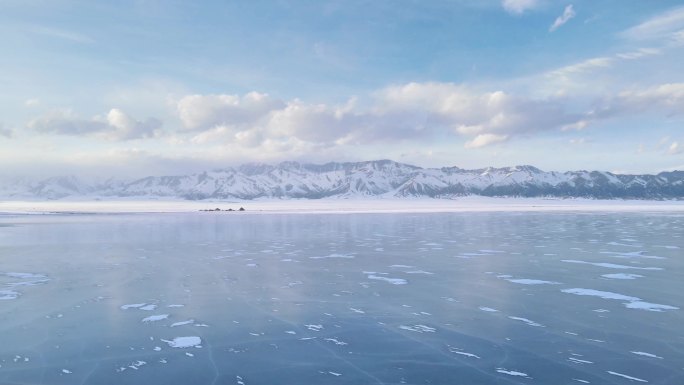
430	298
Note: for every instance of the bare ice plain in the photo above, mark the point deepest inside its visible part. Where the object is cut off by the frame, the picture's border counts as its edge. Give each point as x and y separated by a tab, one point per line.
492	297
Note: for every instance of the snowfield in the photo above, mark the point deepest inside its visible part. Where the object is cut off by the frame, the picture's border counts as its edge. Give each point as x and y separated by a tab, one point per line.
338	205
352	180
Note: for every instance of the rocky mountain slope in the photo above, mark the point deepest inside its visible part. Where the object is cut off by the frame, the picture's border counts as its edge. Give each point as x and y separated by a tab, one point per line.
360	179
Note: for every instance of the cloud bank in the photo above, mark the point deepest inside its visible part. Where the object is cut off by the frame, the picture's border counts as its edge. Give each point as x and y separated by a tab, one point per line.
415	112
115	125
411	112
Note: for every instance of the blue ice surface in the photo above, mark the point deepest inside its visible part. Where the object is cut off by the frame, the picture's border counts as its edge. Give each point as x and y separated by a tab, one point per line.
233	298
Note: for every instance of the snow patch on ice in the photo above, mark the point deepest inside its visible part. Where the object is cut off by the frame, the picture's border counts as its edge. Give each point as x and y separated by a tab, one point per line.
633	254
514	373
578	361
600	294
462	353
154	318
527	281
9	294
527	321
626	376
344	256
181	323
621	276
336	341
420	272
27	279
610	265
418	328
393	281
632	302
649	306
488	309
184	342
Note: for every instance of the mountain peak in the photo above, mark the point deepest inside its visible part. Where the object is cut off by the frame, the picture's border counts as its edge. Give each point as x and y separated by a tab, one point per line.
382	177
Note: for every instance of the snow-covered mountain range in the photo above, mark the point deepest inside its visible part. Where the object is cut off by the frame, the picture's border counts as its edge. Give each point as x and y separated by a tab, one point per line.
360	179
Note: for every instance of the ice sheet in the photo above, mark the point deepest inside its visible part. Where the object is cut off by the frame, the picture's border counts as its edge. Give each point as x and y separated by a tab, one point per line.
334	314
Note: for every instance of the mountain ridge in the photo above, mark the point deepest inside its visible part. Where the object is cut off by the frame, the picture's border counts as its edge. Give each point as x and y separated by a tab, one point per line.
384	178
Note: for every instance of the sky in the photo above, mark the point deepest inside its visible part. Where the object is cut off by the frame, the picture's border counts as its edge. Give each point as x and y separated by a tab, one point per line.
152	87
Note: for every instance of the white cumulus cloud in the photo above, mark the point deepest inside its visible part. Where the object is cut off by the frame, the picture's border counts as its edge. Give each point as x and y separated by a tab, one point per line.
470	112
485	140
208	111
414	112
568	13
518	7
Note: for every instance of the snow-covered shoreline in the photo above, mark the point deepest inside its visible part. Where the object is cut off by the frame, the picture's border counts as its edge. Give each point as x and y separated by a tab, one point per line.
341	206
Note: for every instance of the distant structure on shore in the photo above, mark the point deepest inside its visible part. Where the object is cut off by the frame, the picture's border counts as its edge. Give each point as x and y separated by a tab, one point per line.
218	209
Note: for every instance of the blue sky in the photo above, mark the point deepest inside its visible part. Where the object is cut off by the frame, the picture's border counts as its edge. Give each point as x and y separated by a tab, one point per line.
167	87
